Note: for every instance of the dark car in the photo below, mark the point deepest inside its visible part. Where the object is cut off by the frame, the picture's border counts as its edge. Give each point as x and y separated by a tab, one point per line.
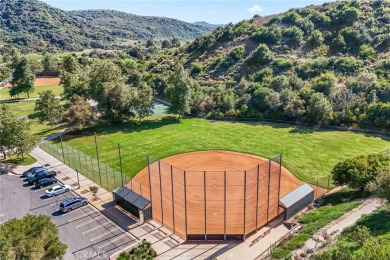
73	203
41	175
45	182
32	170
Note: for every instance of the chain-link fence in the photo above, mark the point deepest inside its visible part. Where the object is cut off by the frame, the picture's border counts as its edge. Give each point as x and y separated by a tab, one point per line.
89	166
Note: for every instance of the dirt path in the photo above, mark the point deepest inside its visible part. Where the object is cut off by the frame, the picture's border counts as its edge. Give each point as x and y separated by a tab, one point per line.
330	232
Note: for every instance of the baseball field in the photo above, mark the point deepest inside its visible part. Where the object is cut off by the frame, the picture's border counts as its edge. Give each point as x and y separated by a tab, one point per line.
307	152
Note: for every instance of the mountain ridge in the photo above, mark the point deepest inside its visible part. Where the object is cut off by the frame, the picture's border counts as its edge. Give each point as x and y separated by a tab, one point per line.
35	25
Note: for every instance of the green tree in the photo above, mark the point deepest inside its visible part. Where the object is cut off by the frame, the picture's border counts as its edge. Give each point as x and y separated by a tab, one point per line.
48	107
79	114
379	114
144	101
293	37
118	102
319	110
381	185
49	64
74	84
366	52
178	91
22	79
102	72
325	83
357	172
69	64
262	55
316	38
31	237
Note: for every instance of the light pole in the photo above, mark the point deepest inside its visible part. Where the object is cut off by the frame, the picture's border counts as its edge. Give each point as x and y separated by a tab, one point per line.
78	179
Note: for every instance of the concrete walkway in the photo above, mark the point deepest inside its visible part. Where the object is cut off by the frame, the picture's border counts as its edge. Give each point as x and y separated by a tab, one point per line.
331	231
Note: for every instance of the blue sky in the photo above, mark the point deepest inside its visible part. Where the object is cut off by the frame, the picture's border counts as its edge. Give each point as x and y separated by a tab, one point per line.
215	11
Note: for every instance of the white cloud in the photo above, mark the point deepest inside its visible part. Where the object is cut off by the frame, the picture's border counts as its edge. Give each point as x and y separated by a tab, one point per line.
255	9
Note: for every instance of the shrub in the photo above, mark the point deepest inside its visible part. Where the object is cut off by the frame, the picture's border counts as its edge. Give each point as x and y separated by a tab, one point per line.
262	55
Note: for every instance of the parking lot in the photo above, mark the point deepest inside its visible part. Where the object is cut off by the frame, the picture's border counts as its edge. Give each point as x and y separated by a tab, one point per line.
87	233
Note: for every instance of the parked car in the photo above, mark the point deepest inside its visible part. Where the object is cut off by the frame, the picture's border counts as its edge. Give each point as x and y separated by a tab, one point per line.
32	170
41	175
56	190
33	173
72	203
45	182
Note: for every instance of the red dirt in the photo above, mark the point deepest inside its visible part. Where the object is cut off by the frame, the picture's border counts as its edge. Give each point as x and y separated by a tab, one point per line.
209	218
44	82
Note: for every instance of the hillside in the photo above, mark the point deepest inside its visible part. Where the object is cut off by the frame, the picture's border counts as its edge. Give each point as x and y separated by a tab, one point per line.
325	64
34	25
206	24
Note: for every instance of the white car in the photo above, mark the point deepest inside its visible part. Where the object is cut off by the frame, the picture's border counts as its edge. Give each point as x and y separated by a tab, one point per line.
56	190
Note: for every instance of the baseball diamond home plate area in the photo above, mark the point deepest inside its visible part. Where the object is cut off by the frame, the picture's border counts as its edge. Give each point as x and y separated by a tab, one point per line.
212	195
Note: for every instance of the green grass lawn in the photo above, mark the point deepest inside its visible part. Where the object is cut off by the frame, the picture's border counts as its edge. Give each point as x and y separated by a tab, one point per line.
308	153
58	90
26	108
39	57
17	160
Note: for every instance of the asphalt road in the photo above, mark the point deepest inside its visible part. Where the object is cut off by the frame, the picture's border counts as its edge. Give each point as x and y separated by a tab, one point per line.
87	233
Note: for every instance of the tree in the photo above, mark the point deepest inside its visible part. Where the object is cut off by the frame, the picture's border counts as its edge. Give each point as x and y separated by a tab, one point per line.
118	102
175	42
325	83
94	190
102	72
319	110
379	114
49	64
15	133
74	84
166	44
381	185
70	64
357	172
316	38
48	107
293	36
79	114
31	237
178	91
144	101
22	79
262	55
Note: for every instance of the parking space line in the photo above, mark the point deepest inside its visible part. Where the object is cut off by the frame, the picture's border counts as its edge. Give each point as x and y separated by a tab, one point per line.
89	221
112	240
102	235
97	227
78	217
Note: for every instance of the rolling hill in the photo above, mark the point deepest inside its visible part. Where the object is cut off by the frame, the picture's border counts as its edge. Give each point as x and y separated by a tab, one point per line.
34	25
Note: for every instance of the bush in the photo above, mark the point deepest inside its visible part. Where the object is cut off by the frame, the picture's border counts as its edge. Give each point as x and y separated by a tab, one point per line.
196	69
262	55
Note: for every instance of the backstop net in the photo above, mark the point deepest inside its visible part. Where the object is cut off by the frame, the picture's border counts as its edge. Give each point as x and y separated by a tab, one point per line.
215	205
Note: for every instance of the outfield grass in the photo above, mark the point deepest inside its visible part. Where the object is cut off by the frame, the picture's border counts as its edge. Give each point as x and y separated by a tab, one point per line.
308	153
26	108
58	90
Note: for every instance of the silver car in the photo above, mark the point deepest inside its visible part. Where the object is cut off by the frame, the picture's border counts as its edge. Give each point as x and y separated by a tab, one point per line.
56	190
73	203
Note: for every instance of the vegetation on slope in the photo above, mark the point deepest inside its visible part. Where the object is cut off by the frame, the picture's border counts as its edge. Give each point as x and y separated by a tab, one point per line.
34	25
369	239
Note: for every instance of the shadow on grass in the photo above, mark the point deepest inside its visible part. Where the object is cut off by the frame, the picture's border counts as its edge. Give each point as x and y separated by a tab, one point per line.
343	196
104	128
378	221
